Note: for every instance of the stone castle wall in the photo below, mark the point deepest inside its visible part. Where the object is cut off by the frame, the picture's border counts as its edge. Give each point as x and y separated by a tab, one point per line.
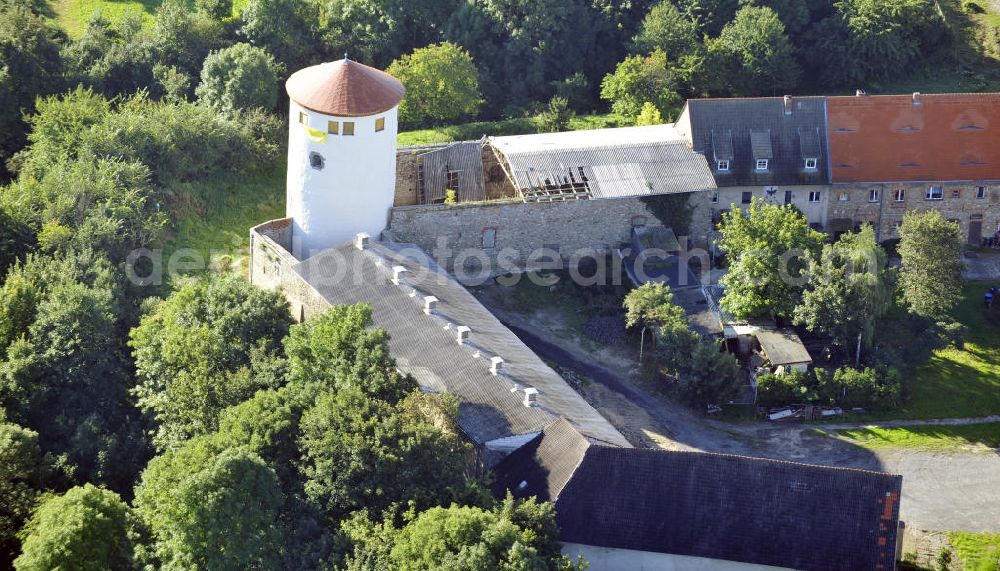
507	236
271	267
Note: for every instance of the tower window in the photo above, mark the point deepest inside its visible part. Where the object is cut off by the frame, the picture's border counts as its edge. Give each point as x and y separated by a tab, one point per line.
333	127
380	124
303	118
316	161
348	128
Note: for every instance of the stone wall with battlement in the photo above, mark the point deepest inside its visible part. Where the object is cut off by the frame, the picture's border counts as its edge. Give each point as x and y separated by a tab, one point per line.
271	267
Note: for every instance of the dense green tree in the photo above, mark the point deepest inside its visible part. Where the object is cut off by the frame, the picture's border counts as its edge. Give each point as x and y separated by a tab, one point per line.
866	40
202	350
710	15
340	350
536	42
239	77
208	510
111	57
931	275
286	29
666	29
652	305
442	84
217	9
706	375
767	247
512	535
360	452
649	115
849	289
86	529
556	116
753	55
639	80
29	67
21	477
15	241
183	38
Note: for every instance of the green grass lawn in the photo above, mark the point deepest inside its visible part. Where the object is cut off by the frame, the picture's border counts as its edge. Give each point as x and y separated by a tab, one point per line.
977	551
476	129
926	437
217	226
961	382
72	15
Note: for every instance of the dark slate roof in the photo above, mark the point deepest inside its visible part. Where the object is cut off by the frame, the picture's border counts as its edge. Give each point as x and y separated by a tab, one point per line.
491	407
760	128
715	506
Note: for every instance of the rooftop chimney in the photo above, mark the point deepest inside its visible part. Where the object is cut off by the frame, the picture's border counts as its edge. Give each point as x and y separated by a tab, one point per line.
361	241
397	272
462	333
496	363
530	396
860	93
430	302
916	98
788	105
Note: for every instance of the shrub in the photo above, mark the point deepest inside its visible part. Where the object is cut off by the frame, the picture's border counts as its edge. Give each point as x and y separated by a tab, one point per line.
972	7
781	390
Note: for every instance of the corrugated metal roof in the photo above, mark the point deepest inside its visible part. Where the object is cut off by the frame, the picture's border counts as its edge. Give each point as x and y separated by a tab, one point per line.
614	171
465	159
426	347
782	347
760	144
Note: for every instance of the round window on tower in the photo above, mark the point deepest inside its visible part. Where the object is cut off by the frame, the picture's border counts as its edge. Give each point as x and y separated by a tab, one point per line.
316	161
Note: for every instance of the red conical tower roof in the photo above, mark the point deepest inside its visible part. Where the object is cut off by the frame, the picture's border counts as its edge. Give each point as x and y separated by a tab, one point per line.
345	88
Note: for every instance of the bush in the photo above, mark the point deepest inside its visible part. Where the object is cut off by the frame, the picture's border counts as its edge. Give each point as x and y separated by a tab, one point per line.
972	7
871	387
781	390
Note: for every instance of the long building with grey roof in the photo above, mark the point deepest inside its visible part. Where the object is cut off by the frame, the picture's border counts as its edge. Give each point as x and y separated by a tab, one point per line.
439	333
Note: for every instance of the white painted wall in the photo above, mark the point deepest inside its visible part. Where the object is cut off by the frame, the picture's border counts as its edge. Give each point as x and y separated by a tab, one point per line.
815	211
354	190
605	559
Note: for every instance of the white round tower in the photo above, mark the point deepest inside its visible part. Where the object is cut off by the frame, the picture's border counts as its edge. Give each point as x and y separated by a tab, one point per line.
341	153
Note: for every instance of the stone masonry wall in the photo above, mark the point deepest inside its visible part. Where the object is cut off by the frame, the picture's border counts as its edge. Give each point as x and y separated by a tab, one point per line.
406	177
959	203
503	235
271	264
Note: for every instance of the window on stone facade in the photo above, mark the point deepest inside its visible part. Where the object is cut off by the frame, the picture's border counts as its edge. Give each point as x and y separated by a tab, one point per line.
956	193
980	192
747	198
843	197
715	197
873	195
814	195
380	124
900	195
723	166
811	164
489	237
934	193
762	164
333	127
349	128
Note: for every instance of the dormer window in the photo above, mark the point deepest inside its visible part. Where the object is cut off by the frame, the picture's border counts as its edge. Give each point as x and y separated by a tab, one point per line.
723	166
811	164
761	164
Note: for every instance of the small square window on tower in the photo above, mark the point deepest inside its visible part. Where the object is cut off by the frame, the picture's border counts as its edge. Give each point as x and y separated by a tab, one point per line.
380	124
303	118
333	127
348	129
